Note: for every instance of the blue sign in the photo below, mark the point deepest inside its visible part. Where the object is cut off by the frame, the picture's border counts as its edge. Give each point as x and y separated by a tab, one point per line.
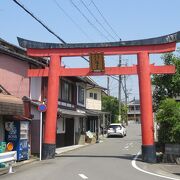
42	108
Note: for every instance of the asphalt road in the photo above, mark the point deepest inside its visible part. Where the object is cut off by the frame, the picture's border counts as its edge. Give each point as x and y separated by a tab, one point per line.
109	160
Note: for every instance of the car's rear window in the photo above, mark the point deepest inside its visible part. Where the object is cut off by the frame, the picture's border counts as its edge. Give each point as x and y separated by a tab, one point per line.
115	126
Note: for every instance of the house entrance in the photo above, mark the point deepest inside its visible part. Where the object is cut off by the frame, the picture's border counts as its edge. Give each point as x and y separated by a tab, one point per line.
69	135
141	48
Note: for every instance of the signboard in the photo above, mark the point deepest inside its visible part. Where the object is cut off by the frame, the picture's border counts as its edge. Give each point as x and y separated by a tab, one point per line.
96	62
42	108
11	129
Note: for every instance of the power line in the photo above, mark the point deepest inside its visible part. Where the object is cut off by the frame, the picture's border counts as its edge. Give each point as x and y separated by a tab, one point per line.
122	85
46	27
85	17
72	20
100	24
105	20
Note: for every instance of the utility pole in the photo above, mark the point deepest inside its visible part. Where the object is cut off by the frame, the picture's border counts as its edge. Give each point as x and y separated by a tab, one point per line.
125	94
108	89
119	92
134	109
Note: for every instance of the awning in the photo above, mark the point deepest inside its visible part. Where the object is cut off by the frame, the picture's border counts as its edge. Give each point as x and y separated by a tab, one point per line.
90	112
11	105
64	111
70	112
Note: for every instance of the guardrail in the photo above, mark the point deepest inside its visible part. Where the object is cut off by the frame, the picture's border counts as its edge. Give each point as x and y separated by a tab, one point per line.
8	157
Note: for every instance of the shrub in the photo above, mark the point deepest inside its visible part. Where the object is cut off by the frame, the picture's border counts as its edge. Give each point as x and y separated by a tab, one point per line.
168	116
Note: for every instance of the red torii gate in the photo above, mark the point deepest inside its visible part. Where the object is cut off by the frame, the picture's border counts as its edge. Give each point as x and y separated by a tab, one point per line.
142	48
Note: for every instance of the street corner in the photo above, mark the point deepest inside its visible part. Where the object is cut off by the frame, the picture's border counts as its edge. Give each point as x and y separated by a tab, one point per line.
164	170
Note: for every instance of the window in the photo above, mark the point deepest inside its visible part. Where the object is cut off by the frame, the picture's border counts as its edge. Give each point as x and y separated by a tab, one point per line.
95	95
91	95
81	95
137	107
66	91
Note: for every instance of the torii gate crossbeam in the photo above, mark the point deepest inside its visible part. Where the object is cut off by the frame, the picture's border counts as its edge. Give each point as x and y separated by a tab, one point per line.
142	48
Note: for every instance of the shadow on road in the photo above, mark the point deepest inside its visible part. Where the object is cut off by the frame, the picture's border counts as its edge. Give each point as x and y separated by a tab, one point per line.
125	156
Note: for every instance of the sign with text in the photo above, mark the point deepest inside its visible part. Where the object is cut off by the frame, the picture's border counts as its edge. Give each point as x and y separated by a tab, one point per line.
96	62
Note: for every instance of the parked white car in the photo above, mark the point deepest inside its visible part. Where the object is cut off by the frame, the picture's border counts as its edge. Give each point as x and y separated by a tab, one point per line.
116	129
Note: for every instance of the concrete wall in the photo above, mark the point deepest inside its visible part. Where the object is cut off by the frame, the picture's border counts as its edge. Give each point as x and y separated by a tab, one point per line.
93	103
13	76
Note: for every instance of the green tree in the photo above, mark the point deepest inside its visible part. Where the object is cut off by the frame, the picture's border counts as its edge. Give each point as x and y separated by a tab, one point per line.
111	104
168	117
166	85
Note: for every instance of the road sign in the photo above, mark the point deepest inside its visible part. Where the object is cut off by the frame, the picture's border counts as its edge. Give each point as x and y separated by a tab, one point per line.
42	108
97	62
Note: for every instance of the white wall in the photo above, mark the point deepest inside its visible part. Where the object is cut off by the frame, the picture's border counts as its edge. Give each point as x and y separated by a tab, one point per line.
93	103
35	112
35	89
60	128
76	124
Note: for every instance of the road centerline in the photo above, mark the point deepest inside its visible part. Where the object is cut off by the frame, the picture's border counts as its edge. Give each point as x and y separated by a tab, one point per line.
83	176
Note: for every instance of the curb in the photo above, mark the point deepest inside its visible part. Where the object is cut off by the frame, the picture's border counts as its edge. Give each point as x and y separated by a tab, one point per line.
157	170
17	164
73	148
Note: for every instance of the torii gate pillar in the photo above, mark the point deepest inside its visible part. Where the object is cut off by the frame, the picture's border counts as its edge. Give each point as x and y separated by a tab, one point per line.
49	143
147	127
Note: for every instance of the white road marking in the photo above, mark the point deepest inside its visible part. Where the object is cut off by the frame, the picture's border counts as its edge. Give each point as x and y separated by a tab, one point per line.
83	176
126	147
133	162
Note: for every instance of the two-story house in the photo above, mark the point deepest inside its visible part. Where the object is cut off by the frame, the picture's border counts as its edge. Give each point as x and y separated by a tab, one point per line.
14	86
97	120
134	113
71	117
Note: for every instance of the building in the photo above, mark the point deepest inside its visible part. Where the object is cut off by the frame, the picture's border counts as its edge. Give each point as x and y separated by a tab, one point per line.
97	120
71	117
14	87
134	111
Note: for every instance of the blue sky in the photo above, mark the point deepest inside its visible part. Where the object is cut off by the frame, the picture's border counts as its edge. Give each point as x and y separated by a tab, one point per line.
130	19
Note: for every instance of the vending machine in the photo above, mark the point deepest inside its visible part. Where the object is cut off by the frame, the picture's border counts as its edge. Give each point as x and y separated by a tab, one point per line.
17	133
